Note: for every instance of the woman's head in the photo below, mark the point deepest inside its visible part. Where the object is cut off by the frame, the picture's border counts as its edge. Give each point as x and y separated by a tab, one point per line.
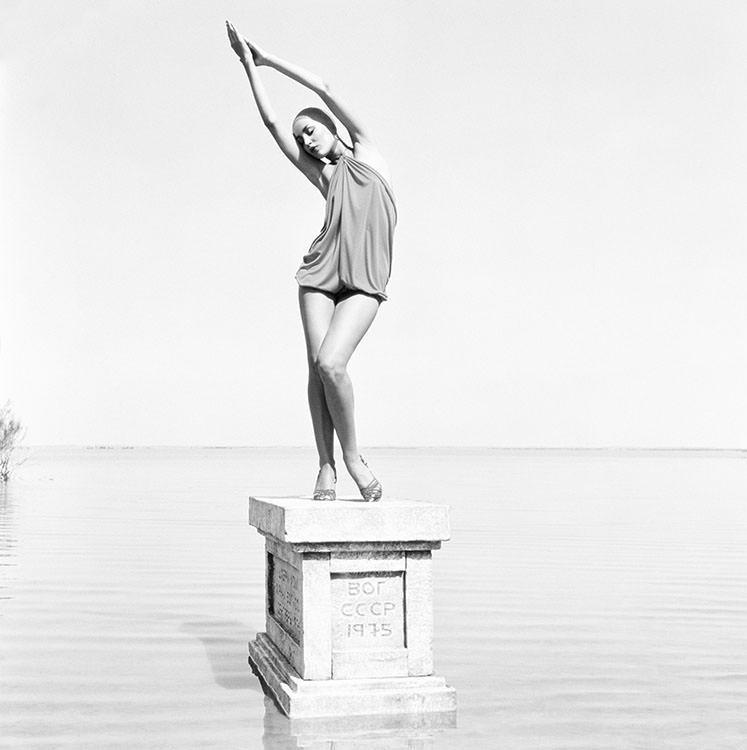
315	132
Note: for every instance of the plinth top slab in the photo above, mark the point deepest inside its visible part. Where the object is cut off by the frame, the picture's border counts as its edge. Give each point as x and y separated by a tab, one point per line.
302	520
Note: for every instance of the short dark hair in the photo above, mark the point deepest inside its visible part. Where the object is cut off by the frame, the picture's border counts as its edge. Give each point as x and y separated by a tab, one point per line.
320	116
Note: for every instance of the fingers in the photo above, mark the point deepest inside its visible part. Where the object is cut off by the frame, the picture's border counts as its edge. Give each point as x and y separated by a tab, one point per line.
251	47
232	33
233	38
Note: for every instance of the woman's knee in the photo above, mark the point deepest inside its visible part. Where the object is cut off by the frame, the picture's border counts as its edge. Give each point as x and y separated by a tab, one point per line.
331	369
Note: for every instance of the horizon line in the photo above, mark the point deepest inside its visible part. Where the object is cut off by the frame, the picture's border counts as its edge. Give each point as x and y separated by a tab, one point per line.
741	452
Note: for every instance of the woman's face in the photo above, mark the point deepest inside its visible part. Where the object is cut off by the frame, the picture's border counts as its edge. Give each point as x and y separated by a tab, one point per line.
316	139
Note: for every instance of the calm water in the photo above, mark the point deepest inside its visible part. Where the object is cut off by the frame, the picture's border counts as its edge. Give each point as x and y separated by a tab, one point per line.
584	601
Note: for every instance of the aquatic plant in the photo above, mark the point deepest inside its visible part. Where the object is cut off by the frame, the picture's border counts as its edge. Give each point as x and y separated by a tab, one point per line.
10	435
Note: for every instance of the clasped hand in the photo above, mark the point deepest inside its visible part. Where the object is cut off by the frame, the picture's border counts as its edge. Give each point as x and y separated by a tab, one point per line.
244	48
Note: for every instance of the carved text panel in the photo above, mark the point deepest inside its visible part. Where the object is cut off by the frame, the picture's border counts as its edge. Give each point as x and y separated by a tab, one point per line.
286	596
367	611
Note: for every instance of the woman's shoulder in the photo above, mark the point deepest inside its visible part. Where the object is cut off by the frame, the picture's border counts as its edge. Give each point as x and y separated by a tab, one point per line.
368	153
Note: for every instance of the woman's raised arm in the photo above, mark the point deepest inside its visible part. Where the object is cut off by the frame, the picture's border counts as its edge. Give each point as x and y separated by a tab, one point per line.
250	58
319	86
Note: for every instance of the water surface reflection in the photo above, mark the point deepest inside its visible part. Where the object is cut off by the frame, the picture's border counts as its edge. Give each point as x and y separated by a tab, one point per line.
586	601
385	732
7	539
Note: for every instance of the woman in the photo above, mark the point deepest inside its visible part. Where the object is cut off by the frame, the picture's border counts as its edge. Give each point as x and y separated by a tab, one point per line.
342	280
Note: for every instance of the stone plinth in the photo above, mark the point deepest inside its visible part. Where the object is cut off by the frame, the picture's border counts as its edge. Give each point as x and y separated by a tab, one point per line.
349	606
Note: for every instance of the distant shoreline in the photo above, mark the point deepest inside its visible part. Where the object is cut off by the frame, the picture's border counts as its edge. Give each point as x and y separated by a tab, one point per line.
606	451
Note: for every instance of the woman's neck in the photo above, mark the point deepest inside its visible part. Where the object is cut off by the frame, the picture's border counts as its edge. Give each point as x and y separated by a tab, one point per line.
338	150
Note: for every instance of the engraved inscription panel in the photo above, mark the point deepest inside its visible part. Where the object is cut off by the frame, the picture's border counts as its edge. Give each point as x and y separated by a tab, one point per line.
367	611
285	596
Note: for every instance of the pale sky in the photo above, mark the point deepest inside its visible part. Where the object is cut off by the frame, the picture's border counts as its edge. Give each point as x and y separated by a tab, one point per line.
569	262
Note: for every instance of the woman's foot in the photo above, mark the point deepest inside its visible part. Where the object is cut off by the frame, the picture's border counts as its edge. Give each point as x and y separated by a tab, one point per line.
325	483
369	487
372	492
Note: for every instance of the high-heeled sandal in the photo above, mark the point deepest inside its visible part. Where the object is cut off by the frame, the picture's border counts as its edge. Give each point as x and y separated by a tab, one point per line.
373	491
325	495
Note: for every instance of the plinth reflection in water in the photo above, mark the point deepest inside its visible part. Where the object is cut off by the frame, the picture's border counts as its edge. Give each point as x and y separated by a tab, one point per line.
375	732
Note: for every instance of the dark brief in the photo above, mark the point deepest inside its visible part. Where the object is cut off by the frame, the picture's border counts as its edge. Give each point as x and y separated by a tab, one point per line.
344	293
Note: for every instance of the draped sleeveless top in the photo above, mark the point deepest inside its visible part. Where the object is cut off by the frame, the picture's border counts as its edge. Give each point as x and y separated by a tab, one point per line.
354	248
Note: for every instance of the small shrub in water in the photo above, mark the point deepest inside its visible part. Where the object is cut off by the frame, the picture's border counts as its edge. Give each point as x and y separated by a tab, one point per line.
10	434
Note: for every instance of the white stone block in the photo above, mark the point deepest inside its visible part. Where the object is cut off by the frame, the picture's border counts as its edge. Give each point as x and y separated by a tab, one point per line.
296	519
349	612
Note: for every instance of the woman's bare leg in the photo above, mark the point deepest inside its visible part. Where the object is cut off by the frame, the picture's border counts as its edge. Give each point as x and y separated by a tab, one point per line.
352	318
316	314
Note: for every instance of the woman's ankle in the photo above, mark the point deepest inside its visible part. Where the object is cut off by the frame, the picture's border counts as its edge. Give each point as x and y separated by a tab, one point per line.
327	475
358	469
352	460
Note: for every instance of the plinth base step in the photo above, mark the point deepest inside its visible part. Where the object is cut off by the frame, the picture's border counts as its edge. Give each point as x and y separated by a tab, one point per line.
300	698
